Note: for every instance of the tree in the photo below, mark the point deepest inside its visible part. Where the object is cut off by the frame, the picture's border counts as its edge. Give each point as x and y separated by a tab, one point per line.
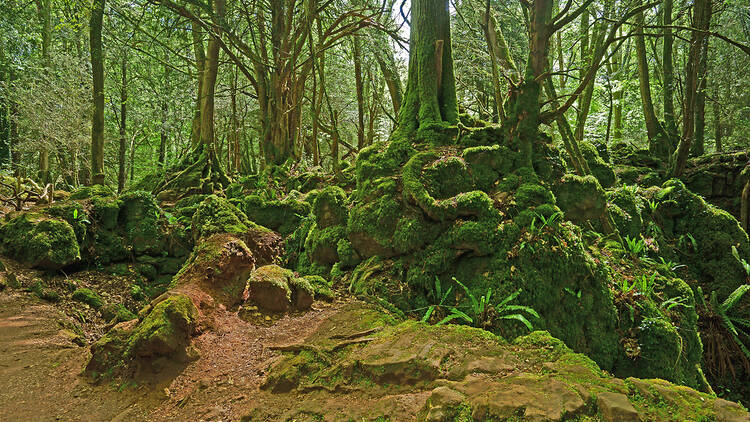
430	98
97	70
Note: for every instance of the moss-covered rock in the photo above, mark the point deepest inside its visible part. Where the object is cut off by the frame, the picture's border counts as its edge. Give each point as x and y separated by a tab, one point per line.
277	289
628	218
599	168
283	215
703	235
39	241
165	331
580	198
466	373
89	297
329	227
116	313
140	220
219	265
217	215
86	192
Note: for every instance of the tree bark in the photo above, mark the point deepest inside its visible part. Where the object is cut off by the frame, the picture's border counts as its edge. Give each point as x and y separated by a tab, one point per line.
200	64
97	69
430	97
701	20
718	129
387	65
668	66
123	122
210	73
649	115
360	93
698	148
45	15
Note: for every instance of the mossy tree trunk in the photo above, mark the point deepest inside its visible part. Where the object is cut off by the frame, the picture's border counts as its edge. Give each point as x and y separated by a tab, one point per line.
44	9
525	102
644	84
668	66
97	70
123	121
430	97
387	64
702	10
200	60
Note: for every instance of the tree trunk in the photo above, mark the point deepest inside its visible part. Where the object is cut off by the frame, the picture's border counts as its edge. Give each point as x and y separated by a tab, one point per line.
701	19
123	121
649	115
200	64
360	93
387	65
718	130
490	37
163	134
526	107
45	15
667	64
430	98
699	144
97	70
210	73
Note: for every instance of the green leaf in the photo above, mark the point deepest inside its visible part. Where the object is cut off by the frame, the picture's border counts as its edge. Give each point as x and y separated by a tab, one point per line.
427	314
735	297
519	317
522	308
75	214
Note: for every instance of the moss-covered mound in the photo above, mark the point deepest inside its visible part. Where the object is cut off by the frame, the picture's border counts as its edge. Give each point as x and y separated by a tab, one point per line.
698	234
284	215
164	332
277	289
219	265
415	371
463	228
217	215
39	241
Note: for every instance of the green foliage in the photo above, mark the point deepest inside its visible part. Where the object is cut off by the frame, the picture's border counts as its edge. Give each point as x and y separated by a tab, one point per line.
89	297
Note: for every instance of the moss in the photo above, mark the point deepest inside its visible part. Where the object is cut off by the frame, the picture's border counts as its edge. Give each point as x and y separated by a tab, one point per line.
86	192
43	292
105	211
581	198
217	215
373	220
682	215
329	207
39	241
531	195
116	313
74	214
487	164
89	297
139	218
599	168
321	245
629	222
320	286
347	255
283	216
165	331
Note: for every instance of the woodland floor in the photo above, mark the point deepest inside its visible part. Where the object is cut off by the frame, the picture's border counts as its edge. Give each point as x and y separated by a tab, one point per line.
41	369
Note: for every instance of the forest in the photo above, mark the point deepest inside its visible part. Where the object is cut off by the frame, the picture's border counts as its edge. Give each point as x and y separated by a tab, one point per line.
374	210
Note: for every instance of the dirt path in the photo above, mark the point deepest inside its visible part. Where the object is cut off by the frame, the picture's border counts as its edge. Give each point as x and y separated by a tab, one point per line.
40	369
